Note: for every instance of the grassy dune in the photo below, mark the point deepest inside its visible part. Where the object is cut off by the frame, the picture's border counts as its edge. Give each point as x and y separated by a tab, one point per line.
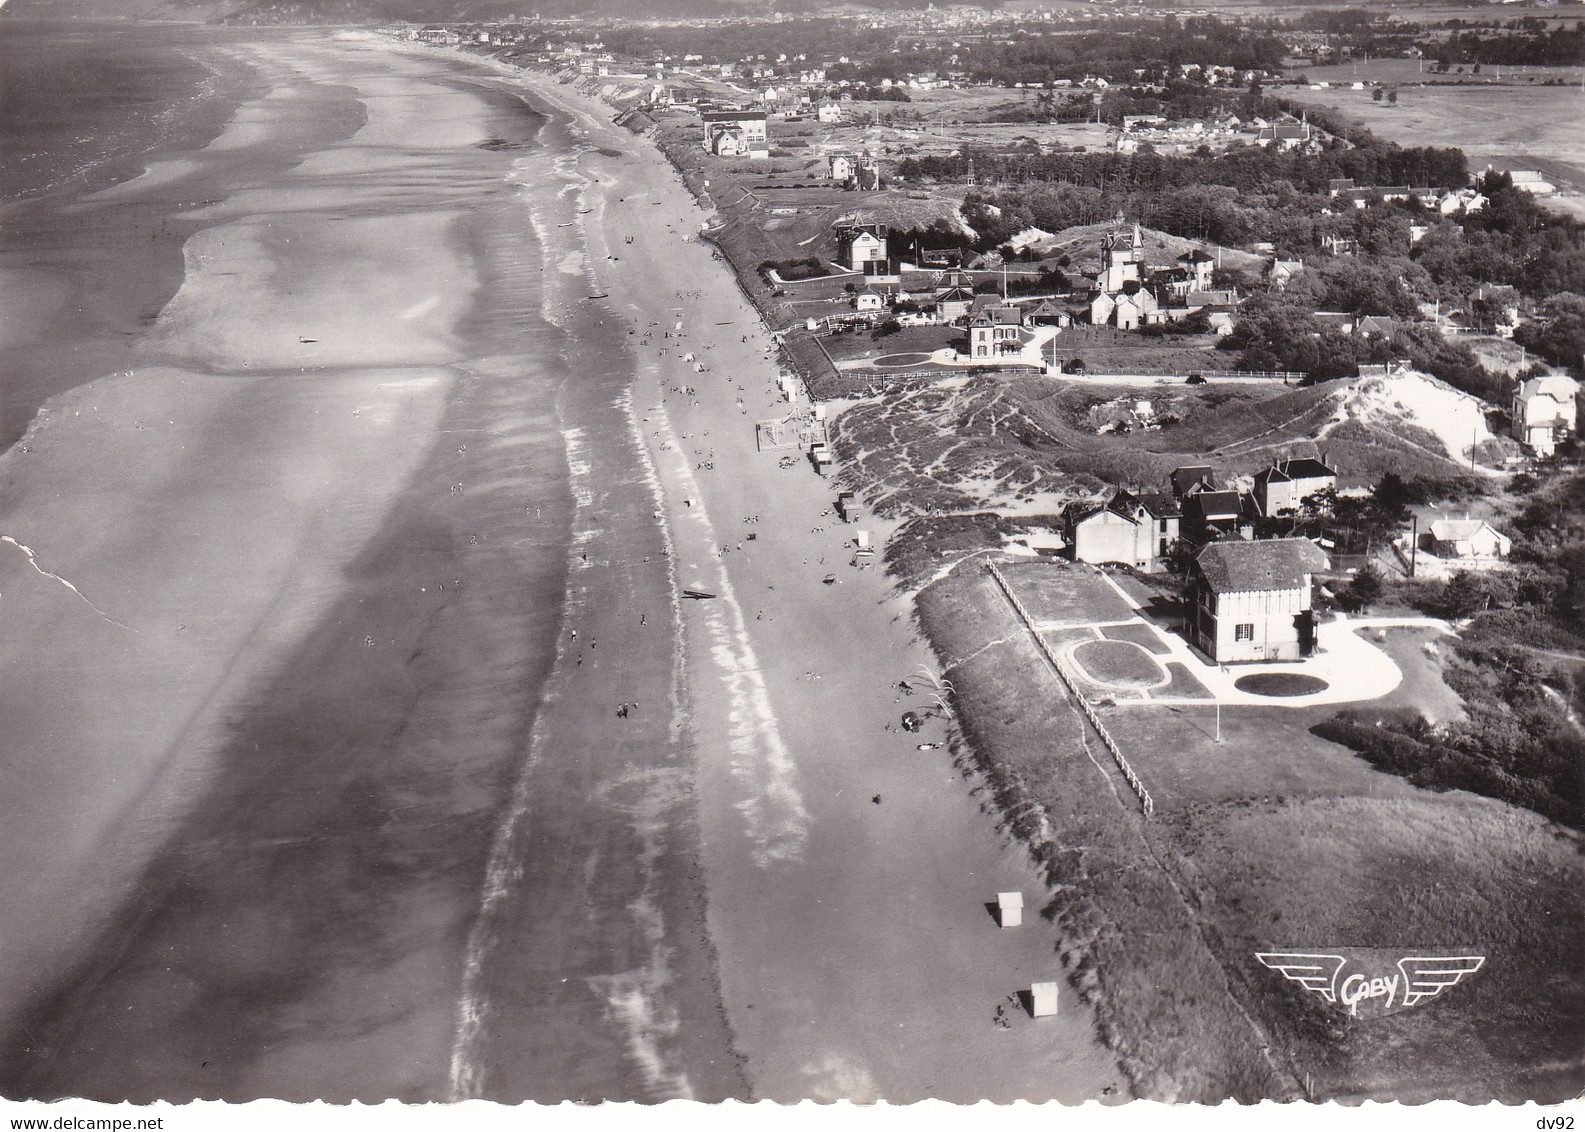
1273	838
1129	939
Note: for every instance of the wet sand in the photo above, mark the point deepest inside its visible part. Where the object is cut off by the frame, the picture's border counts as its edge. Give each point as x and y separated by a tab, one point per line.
326	578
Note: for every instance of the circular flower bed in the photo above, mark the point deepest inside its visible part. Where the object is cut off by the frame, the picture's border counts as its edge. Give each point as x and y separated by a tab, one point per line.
1280	684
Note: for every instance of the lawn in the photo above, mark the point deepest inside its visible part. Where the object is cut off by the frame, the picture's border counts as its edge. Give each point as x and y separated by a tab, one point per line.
1426	871
1141	634
908	340
1184	685
1484	119
1119	664
1065	593
1423	690
1280	684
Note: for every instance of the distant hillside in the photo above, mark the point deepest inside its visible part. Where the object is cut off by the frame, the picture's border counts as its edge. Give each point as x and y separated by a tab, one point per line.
201	10
379	11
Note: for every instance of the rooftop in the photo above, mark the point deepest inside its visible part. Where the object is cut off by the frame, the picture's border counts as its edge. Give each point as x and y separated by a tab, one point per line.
1191	476
1216	504
1269	564
1556	386
1458	530
1303	468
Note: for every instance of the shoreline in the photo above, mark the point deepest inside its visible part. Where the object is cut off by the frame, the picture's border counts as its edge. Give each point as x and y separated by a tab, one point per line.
328	565
776	800
1240	1042
750	883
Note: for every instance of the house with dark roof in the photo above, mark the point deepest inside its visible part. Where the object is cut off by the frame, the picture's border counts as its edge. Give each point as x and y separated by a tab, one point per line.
1210	515
1172	283
1285	135
954	302
1285	485
1201	264
1253	601
994	331
1192	478
1135	530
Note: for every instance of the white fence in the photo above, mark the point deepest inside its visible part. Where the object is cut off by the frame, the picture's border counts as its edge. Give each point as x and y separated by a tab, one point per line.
1072	686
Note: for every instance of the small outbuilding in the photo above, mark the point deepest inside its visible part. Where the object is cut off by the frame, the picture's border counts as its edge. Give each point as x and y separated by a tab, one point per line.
1010	909
1474	539
1043	1000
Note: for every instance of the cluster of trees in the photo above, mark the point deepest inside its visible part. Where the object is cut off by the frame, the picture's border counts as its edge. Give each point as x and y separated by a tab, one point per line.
1530	45
1277	332
1524	42
1512	241
1121	49
1557	330
812	267
1518	742
1296	223
1248	168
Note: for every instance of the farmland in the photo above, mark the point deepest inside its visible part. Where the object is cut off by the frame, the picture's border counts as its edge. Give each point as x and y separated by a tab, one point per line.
1517	118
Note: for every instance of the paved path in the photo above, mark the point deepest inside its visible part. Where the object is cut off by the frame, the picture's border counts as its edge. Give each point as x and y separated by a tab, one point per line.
1353	668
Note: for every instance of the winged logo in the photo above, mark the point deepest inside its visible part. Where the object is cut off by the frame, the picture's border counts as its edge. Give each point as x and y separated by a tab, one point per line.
1377	985
1426	976
1316	973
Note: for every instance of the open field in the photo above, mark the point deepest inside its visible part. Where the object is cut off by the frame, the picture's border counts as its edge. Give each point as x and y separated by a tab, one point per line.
1429	13
1487	120
1271	839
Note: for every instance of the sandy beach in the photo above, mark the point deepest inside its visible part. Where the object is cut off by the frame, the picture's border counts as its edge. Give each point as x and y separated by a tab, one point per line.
847	871
361	742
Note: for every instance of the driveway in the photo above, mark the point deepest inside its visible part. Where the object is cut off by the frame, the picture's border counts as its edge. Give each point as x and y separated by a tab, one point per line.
1353	668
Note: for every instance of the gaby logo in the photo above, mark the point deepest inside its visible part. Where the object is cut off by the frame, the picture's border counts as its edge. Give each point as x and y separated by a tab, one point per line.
1377	985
